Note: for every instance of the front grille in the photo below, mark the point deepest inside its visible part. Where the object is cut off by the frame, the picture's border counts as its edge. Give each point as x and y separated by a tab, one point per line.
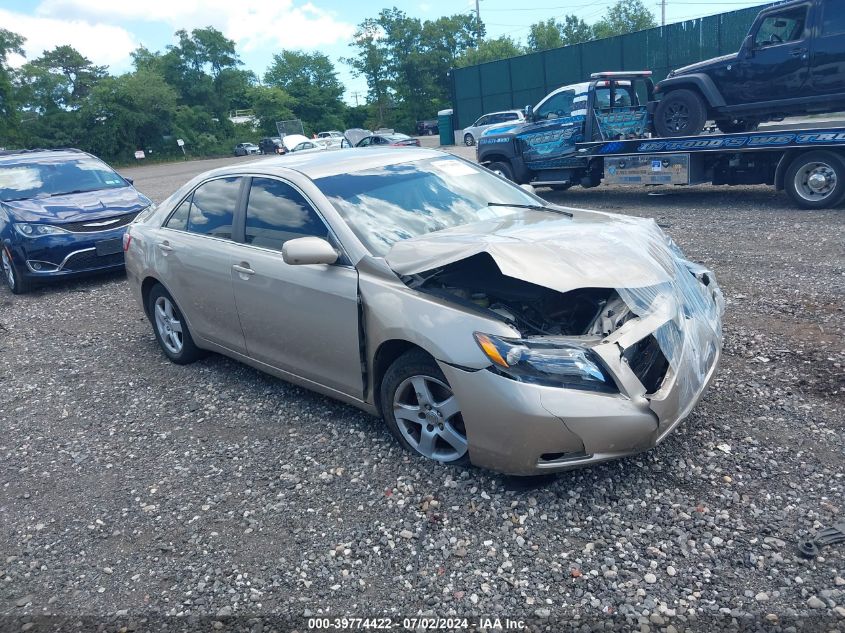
87	260
646	360
84	226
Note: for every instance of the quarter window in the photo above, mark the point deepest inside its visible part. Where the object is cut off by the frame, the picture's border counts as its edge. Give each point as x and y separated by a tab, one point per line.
179	218
277	212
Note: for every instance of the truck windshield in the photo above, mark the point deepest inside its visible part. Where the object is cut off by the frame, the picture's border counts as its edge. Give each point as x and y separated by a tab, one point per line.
403	200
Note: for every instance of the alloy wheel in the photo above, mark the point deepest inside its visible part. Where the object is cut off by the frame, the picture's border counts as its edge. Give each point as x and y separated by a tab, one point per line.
168	325
677	117
429	418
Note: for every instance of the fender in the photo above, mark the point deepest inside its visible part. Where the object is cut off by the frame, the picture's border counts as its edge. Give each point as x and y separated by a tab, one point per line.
703	83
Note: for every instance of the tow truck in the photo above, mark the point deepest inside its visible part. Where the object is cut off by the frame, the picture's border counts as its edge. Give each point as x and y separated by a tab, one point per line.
602	131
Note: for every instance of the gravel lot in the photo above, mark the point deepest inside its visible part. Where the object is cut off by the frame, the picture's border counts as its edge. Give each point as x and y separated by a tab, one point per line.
133	489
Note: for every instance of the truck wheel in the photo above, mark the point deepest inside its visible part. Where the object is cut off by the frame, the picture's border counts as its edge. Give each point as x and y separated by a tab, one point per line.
468	140
680	113
734	126
502	169
816	180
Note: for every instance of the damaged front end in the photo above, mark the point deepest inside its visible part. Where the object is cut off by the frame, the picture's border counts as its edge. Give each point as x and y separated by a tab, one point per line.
607	307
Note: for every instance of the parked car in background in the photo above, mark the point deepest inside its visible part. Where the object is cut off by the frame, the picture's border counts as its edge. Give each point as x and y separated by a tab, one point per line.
62	213
300	143
426	289
271	145
428	128
471	133
332	134
394	139
792	62
245	149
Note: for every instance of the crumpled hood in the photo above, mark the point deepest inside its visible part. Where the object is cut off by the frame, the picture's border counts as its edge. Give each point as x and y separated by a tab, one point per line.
591	250
708	63
76	207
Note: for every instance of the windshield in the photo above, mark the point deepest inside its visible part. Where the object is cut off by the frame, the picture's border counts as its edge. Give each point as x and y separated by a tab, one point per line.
44	177
404	200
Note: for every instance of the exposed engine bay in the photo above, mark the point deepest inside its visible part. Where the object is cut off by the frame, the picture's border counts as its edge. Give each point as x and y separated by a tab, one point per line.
477	283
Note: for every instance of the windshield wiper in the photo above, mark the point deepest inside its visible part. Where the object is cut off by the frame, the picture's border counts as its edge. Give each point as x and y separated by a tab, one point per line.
69	193
532	207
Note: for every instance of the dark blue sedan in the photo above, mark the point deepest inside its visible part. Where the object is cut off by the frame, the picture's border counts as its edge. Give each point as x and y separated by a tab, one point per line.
62	213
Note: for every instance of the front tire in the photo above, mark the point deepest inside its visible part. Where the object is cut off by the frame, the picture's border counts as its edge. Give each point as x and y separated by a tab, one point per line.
421	411
502	169
16	282
170	328
469	140
816	180
680	113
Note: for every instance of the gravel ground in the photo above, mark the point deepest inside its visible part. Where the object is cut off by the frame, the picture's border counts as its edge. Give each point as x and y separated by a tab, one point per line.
134	489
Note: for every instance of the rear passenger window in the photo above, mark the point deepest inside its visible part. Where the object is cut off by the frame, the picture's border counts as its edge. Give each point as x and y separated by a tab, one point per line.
213	207
276	213
833	19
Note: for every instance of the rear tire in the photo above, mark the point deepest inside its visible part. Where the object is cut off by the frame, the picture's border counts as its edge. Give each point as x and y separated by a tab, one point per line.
816	180
17	283
429	421
502	169
469	141
170	328
731	126
680	113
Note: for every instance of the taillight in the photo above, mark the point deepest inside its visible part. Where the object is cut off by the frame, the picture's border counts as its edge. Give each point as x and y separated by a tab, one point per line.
127	240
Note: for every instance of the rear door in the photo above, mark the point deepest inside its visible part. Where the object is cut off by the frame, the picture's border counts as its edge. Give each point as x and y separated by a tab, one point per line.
828	54
301	319
778	66
194	252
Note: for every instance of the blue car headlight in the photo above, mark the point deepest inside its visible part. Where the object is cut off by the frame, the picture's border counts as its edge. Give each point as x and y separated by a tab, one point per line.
545	363
37	230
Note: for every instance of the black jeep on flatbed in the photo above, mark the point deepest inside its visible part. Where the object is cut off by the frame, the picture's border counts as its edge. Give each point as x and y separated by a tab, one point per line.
792	62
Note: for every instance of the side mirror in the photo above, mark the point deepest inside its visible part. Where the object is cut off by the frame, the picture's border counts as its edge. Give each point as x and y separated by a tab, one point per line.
131	181
529	112
747	49
308	250
528	188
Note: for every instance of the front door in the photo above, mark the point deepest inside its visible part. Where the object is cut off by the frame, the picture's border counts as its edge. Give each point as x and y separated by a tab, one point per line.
301	319
777	64
555	131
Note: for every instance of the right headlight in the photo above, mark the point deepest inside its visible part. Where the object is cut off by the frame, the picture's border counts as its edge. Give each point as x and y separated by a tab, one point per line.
37	230
543	363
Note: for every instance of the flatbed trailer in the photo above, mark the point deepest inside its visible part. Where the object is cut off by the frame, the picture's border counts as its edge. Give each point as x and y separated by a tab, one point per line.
808	163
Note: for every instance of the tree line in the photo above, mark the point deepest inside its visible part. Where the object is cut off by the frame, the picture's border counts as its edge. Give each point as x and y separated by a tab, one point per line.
62	99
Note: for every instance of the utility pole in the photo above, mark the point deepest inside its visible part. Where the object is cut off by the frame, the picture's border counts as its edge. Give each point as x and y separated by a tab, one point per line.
662	12
355	94
478	18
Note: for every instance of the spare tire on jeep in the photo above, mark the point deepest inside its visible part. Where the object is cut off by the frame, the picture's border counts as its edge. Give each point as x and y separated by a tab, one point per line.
680	112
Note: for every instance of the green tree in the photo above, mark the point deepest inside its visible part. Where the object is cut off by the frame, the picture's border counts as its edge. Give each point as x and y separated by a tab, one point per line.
9	119
311	80
271	104
554	34
371	63
490	50
626	16
60	79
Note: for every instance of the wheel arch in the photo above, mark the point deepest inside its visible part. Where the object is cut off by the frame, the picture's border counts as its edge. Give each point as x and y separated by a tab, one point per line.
386	353
699	82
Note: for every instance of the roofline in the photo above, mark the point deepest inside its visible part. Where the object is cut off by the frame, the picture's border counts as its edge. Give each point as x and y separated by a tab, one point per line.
35	150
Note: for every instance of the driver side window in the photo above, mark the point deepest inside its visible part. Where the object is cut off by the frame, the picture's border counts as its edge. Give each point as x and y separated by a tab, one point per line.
556	106
779	28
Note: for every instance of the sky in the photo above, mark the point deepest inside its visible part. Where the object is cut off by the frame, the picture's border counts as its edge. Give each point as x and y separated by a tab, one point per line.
106	31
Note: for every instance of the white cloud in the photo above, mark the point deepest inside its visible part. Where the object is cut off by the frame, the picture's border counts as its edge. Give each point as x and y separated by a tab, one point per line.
103	44
250	23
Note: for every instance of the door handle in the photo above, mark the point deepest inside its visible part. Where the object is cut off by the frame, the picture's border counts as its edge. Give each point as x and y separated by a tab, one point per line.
243	268
165	247
798	52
